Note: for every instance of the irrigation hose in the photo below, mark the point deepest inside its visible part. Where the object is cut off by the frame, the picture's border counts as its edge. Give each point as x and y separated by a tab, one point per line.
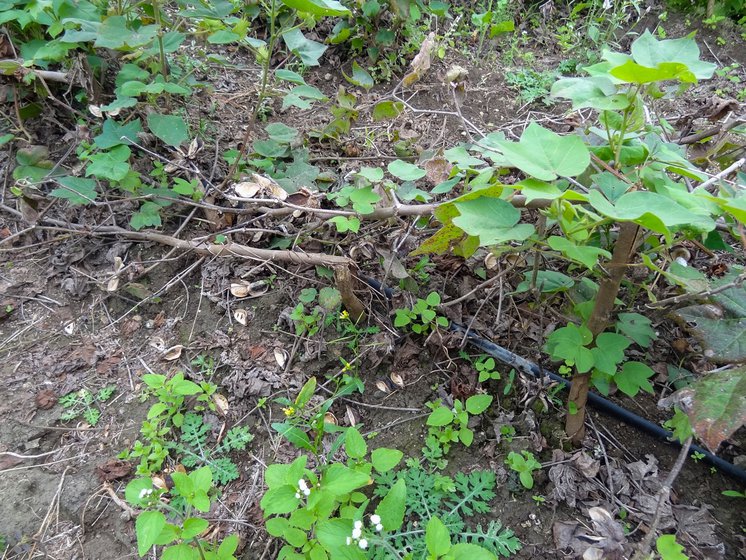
511	359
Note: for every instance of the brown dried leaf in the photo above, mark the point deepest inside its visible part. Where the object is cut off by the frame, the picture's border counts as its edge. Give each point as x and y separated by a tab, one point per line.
45	399
421	62
113	469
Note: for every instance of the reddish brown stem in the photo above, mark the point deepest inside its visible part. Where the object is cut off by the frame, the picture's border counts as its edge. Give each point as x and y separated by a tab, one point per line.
624	248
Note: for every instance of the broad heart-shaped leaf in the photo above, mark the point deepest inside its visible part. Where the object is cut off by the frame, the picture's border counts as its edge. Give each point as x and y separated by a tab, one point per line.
651	210
720	325
339	480
545	155
387	110
355	445
384	459
77	190
493	220
633	377
170	128
469	551
477	404
597	92
648	51
114	134
719	405
113	33
391	507
405	171
637	74
318	7
307	50
609	351
360	77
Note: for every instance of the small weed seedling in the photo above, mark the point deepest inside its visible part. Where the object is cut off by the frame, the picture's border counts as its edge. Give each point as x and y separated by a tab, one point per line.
422	318
316	309
85	403
485	366
734	494
524	464
449	425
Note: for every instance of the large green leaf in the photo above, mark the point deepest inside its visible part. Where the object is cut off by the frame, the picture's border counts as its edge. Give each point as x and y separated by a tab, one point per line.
597	92
114	134
493	220
545	155
652	210
719	405
307	50
170	128
721	324
318	7
650	52
77	190
391	508
113	33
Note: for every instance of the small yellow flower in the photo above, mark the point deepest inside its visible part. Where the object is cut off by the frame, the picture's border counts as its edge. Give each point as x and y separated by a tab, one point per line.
344	315
289	411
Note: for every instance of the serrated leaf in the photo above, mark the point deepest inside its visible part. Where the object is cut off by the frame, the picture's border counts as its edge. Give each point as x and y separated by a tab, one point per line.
112	165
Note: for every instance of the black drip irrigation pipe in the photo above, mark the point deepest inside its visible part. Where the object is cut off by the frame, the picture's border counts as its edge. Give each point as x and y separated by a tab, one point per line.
597	401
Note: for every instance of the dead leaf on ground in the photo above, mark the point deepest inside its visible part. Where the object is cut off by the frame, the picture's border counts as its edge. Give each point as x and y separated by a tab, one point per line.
438	169
45	399
173	353
421	62
113	469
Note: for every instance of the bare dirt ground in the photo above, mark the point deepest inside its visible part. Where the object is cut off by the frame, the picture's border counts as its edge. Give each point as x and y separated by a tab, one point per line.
59	479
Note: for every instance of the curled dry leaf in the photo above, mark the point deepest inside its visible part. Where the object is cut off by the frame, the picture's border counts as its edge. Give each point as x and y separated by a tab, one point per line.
383	386
244	288
158	343
438	169
490	261
329	418
457	75
260	186
173	353
421	62
159	483
241	316
281	357
221	404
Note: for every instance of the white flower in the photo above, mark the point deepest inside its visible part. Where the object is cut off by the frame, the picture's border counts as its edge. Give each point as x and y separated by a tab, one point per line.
349	540
145	492
356	533
306	491
297	495
363	544
375	519
302	484
379	527
358	524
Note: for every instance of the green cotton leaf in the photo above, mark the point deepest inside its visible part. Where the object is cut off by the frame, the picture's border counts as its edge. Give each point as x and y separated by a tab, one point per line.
609	351
718	405
112	165
171	129
282	133
534	189
637	327
113	33
355	445
360	77
346	223
270	149
569	344
149	215
290	76
547	281
114	134
148	526
584	254
545	155
307	50
384	459
441	416
223	37
76	191
636	74
302	97
595	92
647	51
477	404
405	171
391	508
669	549
363	200
437	538
633	378
387	110
651	210
372	174
318	7
721	324
493	220
610	185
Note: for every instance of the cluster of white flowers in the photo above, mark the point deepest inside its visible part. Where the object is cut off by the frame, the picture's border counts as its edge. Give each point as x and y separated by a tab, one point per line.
145	492
302	489
357	531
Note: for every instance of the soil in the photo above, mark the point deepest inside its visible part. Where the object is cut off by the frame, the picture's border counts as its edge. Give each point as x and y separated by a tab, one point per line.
66	333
